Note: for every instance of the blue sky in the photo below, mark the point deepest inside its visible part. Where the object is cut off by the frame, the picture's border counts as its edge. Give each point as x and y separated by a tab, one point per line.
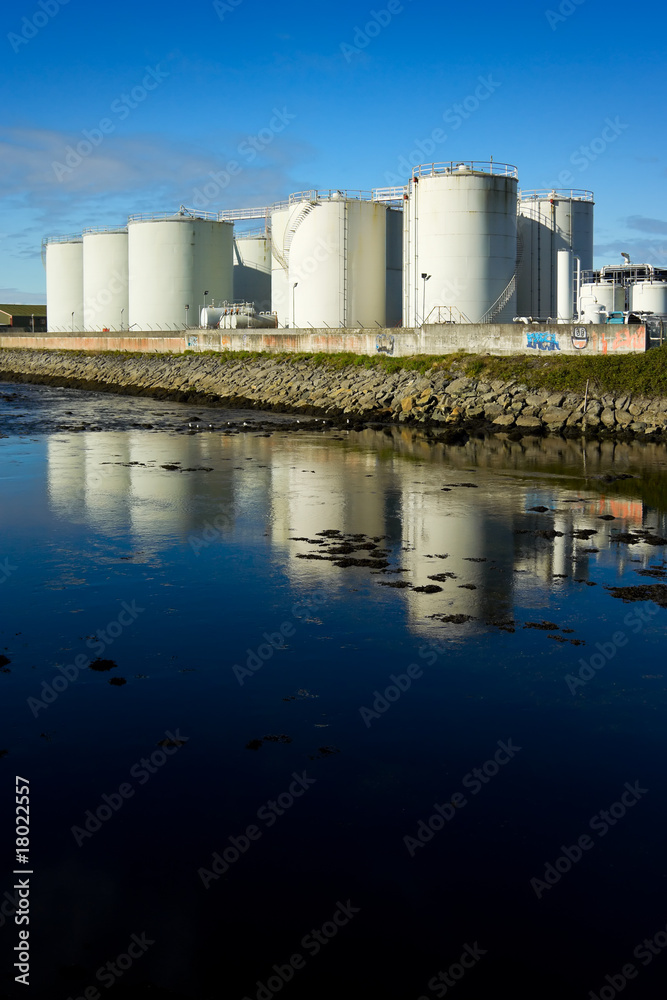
258	100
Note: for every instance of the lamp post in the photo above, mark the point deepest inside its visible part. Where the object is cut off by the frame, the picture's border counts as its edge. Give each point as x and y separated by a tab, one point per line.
205	294
121	318
72	322
293	316
186	316
425	278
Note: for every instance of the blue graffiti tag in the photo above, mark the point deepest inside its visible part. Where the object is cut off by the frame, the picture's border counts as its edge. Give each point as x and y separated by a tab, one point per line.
384	344
543	341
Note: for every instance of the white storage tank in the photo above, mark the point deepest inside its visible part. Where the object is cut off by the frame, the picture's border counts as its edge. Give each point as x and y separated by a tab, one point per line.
64	284
279	266
177	261
649	296
608	294
105	280
332	252
252	270
550	221
461	234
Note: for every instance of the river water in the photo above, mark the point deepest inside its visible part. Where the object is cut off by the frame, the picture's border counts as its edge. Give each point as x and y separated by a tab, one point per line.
329	714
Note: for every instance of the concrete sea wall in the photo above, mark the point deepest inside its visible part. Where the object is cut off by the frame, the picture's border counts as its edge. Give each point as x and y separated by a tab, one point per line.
446	338
351	394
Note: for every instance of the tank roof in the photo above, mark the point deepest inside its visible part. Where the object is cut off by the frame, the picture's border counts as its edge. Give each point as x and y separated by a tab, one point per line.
549	194
483	167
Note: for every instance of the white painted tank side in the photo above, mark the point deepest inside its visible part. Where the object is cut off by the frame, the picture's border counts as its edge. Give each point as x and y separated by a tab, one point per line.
526	277
605	293
316	239
462	231
171	264
64	287
280	303
252	271
105	281
650	296
555	223
564	286
366	264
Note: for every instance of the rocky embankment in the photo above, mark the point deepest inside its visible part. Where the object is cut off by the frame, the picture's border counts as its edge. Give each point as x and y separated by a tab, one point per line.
352	394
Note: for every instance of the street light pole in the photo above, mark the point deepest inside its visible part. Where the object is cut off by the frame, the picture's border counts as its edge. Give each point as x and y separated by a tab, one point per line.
293	310
425	278
121	318
186	316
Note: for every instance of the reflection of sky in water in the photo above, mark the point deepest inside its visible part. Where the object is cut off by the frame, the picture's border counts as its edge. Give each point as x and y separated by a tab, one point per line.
93	522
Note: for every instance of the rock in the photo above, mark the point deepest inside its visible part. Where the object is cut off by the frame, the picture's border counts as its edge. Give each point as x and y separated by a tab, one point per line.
623	417
556	399
555	414
607	417
493	410
528	422
504	420
407	404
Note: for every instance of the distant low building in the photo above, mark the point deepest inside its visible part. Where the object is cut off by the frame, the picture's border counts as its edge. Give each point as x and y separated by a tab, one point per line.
31	317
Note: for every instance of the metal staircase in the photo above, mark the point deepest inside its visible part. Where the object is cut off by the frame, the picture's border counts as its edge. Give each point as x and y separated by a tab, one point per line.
500	302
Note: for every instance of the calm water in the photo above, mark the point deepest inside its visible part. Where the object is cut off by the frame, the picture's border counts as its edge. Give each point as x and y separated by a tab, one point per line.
255	792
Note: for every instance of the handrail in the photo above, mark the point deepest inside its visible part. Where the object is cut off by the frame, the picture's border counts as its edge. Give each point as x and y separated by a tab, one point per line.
461	166
183	214
122	230
73	238
332	194
390	193
576	194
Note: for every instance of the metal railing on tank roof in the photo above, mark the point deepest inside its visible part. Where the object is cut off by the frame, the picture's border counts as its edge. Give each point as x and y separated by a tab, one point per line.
72	238
463	166
576	194
332	194
122	230
183	214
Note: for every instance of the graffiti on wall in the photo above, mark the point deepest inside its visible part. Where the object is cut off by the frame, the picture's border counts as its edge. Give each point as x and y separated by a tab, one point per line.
384	344
193	341
580	338
625	338
543	341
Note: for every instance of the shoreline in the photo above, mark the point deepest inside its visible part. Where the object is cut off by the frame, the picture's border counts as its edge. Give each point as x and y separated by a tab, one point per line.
439	399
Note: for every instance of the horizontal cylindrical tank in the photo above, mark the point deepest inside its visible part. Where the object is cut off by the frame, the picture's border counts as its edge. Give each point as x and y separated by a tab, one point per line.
649	296
175	263
252	270
105	280
461	243
330	258
210	317
608	294
64	285
550	221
